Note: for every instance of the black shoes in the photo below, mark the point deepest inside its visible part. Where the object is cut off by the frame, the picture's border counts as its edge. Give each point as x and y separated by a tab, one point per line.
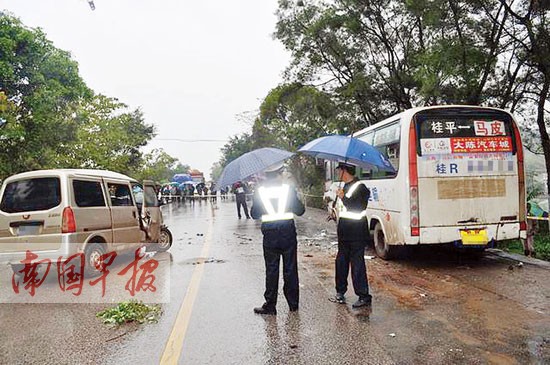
340	298
362	302
264	309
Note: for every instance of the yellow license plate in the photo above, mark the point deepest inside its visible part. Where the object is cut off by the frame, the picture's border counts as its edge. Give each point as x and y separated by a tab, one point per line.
474	236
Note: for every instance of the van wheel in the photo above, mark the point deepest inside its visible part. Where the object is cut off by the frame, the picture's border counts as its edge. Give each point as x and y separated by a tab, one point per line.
93	258
381	247
165	240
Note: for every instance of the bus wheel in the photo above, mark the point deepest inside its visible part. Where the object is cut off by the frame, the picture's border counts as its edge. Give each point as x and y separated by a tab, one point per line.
380	246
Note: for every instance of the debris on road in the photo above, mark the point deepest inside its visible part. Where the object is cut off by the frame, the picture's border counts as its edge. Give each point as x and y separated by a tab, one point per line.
368	257
130	311
208	261
392	334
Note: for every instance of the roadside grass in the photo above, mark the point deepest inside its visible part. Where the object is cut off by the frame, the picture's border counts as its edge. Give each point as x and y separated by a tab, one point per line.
130	311
542	246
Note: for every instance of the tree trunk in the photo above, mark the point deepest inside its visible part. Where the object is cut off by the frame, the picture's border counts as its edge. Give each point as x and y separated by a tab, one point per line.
544	133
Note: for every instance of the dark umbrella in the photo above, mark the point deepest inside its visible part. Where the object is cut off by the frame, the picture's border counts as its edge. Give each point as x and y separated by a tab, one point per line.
251	163
348	149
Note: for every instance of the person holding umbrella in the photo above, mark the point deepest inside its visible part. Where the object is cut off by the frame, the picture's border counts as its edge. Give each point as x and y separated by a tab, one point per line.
352	202
352	236
276	202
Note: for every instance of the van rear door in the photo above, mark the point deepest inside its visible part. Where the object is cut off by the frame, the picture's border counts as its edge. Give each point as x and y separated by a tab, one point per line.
30	214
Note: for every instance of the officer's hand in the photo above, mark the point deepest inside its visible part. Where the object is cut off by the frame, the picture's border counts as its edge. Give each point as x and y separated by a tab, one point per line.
340	193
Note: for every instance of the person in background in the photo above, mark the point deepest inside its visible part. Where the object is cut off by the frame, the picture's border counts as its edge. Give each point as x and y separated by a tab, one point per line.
276	202
213	192
240	197
353	233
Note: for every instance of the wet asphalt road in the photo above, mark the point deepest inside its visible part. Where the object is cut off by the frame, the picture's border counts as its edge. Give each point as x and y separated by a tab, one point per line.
429	308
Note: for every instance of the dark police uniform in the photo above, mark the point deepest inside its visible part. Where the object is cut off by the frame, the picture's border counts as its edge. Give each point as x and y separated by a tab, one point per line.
352	239
275	203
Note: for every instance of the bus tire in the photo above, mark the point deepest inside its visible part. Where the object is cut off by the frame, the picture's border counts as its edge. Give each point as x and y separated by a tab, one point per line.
383	250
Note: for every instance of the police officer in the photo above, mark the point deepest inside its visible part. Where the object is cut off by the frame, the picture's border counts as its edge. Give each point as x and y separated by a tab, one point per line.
276	202
352	236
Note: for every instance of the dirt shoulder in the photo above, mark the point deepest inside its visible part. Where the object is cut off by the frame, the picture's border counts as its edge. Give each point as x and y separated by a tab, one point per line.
438	306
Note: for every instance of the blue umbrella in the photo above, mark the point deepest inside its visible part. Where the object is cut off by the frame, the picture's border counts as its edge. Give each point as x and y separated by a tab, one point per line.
180	178
251	163
348	149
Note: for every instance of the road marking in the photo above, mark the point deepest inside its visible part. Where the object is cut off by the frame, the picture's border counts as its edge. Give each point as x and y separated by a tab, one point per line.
174	345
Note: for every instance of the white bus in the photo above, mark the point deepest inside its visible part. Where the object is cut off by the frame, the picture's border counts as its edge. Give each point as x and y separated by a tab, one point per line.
459	178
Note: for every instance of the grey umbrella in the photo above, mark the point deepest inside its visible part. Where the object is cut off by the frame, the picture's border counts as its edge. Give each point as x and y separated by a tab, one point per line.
251	163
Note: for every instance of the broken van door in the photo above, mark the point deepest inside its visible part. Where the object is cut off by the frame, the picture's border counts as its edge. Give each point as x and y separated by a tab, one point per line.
151	211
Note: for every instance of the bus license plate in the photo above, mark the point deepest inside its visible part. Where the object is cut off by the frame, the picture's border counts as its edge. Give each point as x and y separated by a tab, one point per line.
474	236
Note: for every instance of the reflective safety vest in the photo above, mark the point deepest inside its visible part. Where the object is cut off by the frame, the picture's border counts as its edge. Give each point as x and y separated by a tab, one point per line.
281	194
343	211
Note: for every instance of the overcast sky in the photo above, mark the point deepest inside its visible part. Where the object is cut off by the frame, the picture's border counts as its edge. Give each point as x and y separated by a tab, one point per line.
192	66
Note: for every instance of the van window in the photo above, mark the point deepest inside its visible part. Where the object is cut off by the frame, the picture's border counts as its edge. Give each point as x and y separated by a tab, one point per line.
32	194
88	194
120	195
151	197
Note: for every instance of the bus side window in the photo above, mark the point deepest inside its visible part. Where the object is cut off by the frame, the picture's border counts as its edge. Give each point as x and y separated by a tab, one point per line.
392	153
365	174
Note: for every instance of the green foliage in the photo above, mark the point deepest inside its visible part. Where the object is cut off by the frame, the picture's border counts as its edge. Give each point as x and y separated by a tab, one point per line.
237	146
55	121
542	246
513	246
108	137
159	166
292	115
310	179
216	171
43	85
130	311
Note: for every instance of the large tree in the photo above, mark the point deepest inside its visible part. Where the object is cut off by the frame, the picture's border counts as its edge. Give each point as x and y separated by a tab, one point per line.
293	114
55	121
109	136
43	85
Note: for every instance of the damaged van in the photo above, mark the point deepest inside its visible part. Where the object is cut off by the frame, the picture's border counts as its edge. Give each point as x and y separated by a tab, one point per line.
55	214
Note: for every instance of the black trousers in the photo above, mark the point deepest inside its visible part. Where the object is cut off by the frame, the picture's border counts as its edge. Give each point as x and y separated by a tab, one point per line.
352	253
272	257
241	201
